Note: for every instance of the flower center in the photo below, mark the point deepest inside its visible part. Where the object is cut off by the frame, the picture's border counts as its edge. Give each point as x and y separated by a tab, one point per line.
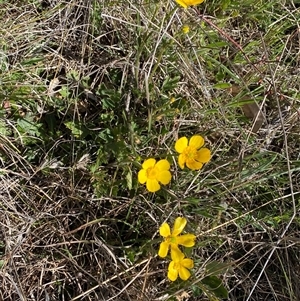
152	173
177	266
190	152
171	239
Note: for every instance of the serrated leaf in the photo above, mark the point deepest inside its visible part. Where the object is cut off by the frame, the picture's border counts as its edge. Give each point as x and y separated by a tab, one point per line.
29	127
64	92
75	128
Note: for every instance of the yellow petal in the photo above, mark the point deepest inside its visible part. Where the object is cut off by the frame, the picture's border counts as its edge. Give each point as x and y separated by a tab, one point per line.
181	161
164	177
184	273
142	176
192	2
182	3
203	155
163	165
193	164
187	263
195	2
185	29
152	185
196	141
163	249
172	272
164	230
149	163
176	254
181	144
186	240
179	225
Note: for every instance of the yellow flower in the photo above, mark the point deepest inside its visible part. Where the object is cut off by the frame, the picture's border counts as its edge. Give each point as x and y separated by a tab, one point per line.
179	266
173	239
185	29
153	173
191	152
186	3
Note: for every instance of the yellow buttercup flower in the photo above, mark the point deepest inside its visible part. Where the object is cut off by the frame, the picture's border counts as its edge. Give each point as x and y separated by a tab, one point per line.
179	266
186	3
191	152
185	29
154	173
173	239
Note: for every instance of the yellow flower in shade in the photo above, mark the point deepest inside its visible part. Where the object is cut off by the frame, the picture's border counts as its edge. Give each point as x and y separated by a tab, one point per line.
153	173
186	3
191	152
179	266
173	239
185	29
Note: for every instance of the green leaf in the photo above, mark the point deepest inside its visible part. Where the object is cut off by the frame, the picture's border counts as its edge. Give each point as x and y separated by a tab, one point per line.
28	127
75	128
64	91
3	128
32	61
170	83
215	285
73	74
222	86
129	179
197	291
215	268
217	45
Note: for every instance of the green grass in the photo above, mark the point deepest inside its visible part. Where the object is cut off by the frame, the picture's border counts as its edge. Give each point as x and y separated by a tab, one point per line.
87	94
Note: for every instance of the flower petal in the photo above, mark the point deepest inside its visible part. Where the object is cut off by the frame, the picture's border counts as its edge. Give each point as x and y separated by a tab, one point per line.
172	272
197	141
186	3
203	155
182	3
187	263
176	254
164	230
164	177
152	185
149	163
184	273
142	176
179	225
193	2
163	165
181	144
181	161
163	249
193	164
186	240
